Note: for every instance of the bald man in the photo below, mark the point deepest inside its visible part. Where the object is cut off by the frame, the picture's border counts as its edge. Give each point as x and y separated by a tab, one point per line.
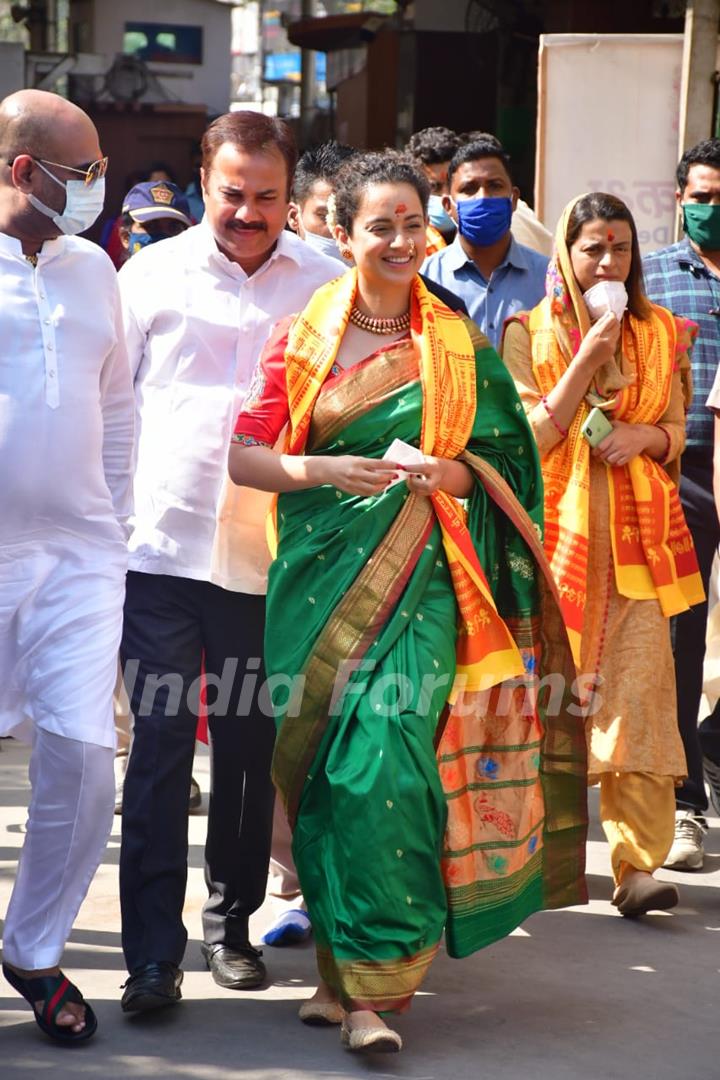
66	437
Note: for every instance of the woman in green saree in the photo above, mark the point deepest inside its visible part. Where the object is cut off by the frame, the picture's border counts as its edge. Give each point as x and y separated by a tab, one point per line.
409	609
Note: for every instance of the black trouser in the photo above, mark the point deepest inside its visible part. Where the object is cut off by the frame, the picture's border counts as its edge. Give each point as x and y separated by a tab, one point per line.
696	495
170	623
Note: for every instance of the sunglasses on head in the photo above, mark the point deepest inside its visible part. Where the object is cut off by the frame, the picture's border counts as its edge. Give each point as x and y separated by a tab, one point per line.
91	173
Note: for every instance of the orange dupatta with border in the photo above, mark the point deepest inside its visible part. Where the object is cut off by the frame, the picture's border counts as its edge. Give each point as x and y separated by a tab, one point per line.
486	651
653	551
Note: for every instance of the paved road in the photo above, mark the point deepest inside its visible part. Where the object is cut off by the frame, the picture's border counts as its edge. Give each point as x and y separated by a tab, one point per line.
580	993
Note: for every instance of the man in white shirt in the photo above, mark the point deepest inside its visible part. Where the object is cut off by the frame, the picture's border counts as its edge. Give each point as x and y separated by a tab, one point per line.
198	309
66	442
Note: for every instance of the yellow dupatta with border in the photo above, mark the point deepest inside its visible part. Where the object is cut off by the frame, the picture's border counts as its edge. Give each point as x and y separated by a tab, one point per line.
486	651
653	552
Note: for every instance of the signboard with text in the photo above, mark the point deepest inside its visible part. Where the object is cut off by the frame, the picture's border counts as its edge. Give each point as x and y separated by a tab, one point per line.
608	115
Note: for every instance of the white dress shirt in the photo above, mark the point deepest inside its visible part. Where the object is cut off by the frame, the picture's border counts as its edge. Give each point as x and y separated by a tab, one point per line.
195	325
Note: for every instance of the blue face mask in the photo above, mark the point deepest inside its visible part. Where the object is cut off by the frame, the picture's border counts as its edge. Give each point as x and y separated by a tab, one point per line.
140	240
484	221
438	215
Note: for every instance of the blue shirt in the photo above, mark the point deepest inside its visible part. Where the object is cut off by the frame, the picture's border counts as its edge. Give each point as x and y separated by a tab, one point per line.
677	278
517	284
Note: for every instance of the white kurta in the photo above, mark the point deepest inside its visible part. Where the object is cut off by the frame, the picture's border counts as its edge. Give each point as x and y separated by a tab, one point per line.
66	439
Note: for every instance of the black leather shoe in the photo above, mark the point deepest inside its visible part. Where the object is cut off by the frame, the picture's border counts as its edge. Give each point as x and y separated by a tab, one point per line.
235	969
152	986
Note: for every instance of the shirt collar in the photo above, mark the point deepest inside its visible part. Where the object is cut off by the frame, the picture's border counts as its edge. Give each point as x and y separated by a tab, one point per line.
516	256
456	259
454	256
287	246
10	245
290	246
686	254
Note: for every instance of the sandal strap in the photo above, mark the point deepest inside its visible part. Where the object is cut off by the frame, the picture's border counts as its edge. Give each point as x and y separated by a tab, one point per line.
54	1003
54	991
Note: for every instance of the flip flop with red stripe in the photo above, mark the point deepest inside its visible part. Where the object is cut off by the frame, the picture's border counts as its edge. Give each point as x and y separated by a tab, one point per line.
54	991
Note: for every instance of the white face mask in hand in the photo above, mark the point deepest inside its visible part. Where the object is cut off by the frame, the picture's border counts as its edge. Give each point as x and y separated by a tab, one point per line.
606	296
83	204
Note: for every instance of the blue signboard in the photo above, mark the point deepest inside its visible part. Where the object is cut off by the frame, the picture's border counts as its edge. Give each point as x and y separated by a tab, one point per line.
285	66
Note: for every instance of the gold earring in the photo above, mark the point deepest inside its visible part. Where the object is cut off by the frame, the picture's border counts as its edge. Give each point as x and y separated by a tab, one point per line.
346	253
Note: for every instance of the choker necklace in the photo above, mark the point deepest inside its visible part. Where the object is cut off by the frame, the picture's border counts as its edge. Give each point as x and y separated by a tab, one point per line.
396	325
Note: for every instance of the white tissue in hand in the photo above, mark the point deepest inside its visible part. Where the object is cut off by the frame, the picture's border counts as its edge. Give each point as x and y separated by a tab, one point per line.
606	296
402	453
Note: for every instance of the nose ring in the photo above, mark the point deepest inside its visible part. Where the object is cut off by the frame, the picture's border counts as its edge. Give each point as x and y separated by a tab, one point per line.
412	249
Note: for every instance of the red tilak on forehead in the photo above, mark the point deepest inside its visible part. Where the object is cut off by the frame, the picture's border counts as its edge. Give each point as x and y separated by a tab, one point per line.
611	237
401	208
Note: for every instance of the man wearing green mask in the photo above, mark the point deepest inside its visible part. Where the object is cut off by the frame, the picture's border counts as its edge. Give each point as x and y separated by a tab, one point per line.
685	277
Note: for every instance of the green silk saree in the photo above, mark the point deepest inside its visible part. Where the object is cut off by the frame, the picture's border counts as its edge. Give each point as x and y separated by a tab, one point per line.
409	816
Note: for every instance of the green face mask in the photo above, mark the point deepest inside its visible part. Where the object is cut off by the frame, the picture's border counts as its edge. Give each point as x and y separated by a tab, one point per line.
702	224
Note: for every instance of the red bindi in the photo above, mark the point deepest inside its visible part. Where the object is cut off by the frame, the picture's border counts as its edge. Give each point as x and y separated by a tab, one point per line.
401	208
611	237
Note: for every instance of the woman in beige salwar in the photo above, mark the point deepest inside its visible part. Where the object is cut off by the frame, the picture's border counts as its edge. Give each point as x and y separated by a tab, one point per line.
615	534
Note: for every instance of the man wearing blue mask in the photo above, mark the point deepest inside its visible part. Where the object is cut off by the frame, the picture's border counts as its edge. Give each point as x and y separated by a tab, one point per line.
432	150
685	277
152	211
485	266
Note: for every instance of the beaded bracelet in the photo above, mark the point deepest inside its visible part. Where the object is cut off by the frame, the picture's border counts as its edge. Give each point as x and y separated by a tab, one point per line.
553	418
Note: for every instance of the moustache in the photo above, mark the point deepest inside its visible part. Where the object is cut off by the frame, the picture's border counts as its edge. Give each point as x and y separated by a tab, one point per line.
252	226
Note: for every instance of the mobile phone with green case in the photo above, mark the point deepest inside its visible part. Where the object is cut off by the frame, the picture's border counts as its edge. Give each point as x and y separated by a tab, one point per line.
597	427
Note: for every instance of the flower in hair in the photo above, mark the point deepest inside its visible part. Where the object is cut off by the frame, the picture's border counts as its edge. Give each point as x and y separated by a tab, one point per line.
330	220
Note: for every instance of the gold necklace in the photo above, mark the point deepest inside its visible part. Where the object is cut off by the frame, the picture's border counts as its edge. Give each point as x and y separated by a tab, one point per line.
32	259
373	325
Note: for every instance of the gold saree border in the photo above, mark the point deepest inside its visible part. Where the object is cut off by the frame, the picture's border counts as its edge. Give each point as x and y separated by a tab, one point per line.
494	892
353	626
361	389
377	985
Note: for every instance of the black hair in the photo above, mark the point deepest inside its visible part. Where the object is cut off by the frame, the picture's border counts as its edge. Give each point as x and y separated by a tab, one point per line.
600	205
162	166
357	174
485	147
320	163
127	221
479	136
252	132
433	145
706	152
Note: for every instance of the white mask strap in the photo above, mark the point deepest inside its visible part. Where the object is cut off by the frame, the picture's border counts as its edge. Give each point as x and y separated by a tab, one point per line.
48	173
